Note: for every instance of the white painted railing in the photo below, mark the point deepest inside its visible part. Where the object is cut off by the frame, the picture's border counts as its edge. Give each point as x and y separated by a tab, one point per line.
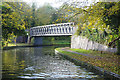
53	30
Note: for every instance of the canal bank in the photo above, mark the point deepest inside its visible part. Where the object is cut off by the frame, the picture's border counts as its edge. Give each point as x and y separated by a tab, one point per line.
20	45
100	63
13	47
27	45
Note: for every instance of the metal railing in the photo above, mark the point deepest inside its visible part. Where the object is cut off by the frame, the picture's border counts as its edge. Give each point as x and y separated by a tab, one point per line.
53	30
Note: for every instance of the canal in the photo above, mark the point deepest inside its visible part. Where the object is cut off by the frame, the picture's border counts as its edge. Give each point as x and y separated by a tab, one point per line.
41	63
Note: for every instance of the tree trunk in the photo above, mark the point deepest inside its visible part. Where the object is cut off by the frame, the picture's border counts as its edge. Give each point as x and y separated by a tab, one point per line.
114	41
15	40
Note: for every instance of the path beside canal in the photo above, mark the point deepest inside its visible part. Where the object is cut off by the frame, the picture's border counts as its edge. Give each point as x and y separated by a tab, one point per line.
104	61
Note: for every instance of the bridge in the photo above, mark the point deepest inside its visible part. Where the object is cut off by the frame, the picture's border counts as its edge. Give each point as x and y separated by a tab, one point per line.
62	29
53	30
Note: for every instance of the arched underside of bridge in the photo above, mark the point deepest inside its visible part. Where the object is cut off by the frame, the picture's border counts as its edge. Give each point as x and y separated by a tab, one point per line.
39	40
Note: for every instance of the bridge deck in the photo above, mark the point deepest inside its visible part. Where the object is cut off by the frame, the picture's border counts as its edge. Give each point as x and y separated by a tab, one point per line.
53	30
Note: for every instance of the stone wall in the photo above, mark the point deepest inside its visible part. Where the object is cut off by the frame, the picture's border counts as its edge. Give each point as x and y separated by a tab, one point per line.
84	43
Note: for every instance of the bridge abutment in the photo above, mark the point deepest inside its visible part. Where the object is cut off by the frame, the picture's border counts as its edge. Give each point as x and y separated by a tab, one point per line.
38	40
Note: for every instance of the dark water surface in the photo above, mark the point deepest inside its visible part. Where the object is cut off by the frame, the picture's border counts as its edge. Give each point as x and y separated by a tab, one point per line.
41	63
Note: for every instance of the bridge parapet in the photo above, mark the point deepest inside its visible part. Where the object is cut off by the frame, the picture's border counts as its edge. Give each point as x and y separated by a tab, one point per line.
53	30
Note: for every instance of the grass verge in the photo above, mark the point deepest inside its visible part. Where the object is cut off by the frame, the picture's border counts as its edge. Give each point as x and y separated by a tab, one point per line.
17	44
107	61
12	45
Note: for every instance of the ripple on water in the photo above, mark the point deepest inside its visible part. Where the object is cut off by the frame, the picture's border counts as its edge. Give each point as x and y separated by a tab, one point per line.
57	75
31	77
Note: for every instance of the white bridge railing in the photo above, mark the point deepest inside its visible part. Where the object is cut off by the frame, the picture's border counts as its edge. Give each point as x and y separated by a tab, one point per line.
53	30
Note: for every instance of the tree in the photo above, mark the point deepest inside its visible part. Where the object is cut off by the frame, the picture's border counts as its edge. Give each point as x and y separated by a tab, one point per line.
13	23
44	15
33	15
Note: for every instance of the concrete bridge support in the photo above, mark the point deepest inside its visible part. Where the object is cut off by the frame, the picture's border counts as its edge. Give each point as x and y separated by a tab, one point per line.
38	40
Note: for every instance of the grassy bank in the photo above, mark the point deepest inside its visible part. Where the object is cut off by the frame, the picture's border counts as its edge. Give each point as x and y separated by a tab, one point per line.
13	45
105	60
17	44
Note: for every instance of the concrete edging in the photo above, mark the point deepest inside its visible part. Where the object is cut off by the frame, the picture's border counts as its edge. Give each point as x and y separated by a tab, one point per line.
92	68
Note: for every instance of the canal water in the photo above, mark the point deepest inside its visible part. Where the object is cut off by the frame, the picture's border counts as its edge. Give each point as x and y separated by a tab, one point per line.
41	63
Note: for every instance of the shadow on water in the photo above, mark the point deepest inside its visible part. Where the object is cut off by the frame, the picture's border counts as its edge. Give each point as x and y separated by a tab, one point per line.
41	63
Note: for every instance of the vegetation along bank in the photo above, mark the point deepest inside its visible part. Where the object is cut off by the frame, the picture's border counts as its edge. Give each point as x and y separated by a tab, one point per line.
106	63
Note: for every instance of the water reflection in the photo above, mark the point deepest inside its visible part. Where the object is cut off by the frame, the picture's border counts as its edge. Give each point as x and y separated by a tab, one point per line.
41	63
